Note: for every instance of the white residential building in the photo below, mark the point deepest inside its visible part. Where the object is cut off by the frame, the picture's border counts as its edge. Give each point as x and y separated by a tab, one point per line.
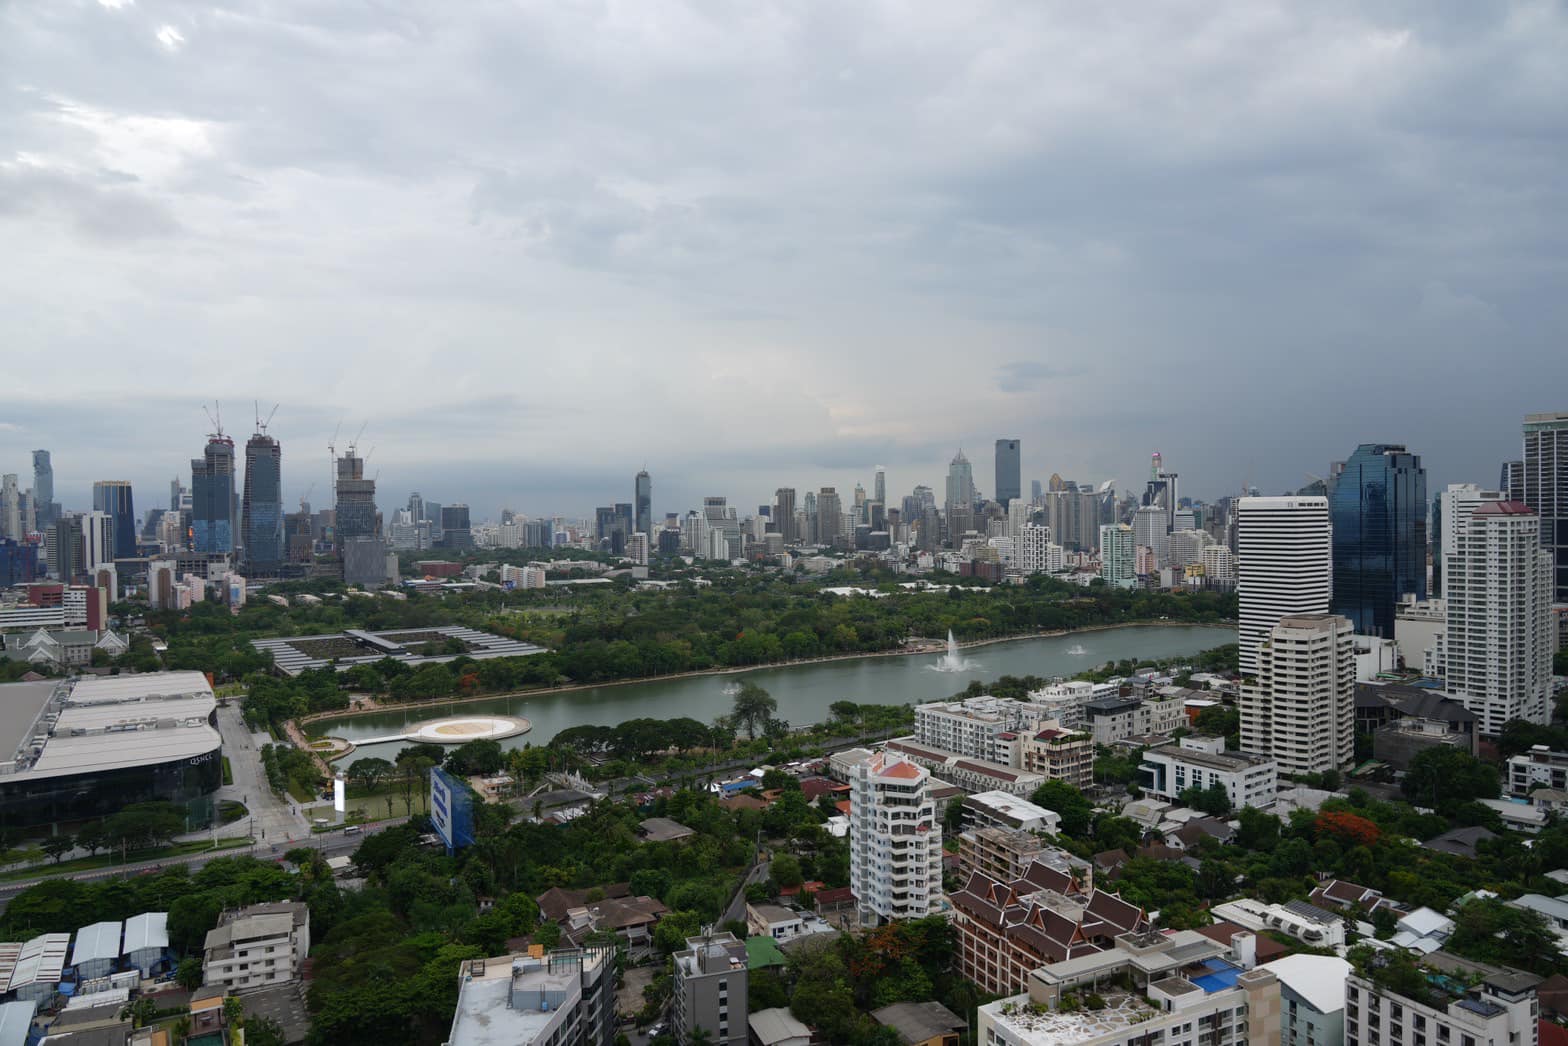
1498	639
1036	554
1284	565
257	946
895	840
1118	555
1186	547
1219	566
1199	762
1540	767
1149	530
1300	705
1501	1010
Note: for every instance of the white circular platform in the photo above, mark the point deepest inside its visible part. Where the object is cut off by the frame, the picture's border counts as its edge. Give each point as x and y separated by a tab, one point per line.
458	729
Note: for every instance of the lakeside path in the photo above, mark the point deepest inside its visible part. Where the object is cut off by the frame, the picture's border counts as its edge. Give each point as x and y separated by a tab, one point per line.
924	646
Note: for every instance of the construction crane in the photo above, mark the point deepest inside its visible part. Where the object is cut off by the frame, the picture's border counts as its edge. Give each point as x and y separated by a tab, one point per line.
304	499
216	419
332	460
261	426
353	446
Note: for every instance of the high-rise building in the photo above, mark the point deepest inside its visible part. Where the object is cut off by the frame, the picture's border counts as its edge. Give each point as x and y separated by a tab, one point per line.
829	516
1118	555
1219	567
1510	480
709	990
1546	489
1300	707
355	515
1148	531
1284	566
43	489
895	840
643	500
879	486
113	498
457	530
10	508
1378	512
261	506
212	496
416	507
784	514
98	537
1495	651
1009	471
960	504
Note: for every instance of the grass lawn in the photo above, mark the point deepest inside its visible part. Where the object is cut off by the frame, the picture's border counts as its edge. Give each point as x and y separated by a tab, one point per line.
228	772
374	807
86	864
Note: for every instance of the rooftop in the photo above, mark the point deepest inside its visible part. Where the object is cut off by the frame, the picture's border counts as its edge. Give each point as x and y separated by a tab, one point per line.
919	1021
20	707
295	654
515	1000
98	941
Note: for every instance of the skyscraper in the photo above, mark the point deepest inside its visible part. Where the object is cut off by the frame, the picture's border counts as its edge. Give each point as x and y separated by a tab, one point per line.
457	529
643	499
10	508
829	514
960	504
261	507
1117	555
45	511
1546	488
1510	480
112	497
1009	471
1495	651
1378	511
879	487
355	515
1284	566
212	496
784	514
1300	708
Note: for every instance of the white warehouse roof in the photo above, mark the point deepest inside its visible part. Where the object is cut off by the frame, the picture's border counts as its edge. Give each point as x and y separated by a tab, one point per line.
148	930
42	960
98	941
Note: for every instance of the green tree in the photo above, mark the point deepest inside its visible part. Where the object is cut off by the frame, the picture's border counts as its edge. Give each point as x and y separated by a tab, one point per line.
1066	800
754	706
785	869
57	846
1445	777
188	973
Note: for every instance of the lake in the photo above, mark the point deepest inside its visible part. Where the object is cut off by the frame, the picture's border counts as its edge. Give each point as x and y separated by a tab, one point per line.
803	692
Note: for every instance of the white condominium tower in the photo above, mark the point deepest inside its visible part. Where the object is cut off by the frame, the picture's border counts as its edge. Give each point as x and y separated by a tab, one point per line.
895	840
1496	647
1117	555
1300	709
1284	565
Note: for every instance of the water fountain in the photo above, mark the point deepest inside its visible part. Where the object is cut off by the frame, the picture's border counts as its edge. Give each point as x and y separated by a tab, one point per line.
952	661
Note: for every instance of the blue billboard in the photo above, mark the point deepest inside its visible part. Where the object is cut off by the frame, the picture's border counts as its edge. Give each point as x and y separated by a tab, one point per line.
451	809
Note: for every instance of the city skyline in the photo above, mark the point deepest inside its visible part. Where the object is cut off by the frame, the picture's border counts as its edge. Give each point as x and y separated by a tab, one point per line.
1368	207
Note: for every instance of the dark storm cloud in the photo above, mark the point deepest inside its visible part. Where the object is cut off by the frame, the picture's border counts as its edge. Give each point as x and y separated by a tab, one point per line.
538	245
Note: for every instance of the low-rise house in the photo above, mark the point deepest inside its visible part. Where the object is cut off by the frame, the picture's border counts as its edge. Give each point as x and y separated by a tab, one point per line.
555	902
1460	842
1540	767
1343	895
257	946
922	1023
1201	762
1005	810
632	919
1518	817
776	1027
1306	922
1423	930
663	830
775	921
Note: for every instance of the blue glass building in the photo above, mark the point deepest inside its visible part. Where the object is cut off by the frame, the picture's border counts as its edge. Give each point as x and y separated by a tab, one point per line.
212	497
261	507
113	498
1379	513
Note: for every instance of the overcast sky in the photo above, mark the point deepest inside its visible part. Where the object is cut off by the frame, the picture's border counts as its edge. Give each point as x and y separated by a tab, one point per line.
539	245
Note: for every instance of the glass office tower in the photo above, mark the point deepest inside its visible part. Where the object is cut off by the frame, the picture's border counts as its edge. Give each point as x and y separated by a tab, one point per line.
261	507
1379	514
212	497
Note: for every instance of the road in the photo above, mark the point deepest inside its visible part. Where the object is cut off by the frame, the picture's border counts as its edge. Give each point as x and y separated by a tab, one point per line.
331	844
273	818
736	912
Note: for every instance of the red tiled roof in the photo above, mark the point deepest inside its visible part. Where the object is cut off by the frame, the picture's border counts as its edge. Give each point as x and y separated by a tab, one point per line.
1502	508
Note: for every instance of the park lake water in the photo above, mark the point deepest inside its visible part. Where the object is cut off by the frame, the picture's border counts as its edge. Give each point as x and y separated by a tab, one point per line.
803	692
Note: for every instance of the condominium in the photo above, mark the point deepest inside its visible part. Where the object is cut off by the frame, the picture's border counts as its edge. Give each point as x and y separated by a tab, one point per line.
1032	545
895	840
1501	1009
1118	555
1496	648
563	996
1546	488
710	990
1219	567
1283	566
1300	705
1058	754
1202	762
1174	988
257	946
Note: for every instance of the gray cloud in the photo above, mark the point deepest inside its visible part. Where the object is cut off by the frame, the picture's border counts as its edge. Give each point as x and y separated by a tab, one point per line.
538	245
